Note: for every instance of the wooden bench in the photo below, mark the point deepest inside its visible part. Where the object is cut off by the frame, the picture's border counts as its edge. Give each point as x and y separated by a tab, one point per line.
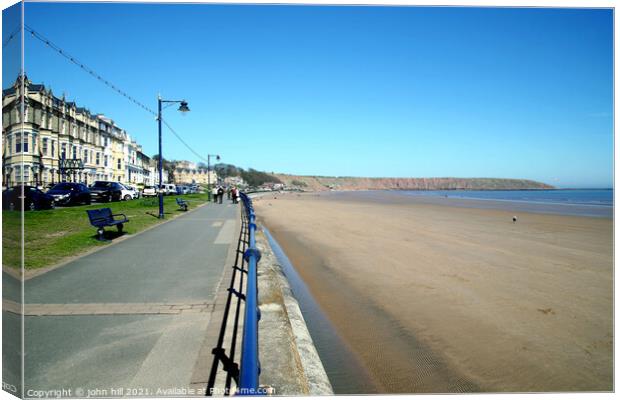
103	217
182	203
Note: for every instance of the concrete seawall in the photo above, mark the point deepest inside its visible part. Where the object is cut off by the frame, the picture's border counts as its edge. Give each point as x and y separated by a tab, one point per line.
290	363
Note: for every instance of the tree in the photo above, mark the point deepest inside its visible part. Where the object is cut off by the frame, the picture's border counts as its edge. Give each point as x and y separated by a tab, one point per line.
226	170
168	166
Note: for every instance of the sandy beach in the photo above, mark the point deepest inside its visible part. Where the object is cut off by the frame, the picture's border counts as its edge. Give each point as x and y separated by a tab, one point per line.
435	298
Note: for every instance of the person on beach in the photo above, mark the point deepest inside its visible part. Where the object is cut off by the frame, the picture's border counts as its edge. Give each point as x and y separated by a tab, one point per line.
220	194
214	193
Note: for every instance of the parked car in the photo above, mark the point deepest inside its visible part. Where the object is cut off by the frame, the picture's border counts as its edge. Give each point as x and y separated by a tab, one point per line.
105	191
34	199
182	190
129	192
170	188
68	193
137	191
149	191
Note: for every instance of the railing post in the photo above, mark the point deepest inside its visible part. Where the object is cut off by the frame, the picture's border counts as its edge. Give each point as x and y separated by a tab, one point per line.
250	365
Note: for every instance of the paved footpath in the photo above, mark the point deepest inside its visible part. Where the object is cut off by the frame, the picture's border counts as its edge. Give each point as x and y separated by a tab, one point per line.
133	316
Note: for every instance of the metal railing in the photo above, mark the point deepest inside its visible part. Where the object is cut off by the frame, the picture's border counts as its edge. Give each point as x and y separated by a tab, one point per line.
242	295
250	365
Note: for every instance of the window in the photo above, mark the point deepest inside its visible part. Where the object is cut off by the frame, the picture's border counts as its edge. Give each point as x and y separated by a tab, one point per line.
74	152
26	174
105	161
63	151
53	148
118	164
44	146
25	146
18	142
85	156
97	159
18	174
10	144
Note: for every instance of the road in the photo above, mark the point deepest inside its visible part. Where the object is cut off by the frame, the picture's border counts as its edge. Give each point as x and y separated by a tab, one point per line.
131	317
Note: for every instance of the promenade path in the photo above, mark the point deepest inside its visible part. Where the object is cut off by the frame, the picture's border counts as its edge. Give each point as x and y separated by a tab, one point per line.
131	316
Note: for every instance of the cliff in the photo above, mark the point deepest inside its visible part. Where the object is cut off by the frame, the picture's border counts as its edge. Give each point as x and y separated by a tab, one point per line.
319	183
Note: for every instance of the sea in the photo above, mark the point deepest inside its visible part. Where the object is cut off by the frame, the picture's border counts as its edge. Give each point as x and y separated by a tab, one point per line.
576	202
595	197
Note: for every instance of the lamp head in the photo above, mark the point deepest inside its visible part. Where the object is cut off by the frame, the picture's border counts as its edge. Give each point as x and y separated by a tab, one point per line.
183	107
217	157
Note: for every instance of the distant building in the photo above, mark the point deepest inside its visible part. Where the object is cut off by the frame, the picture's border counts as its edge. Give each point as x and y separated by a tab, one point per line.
136	163
186	165
153	177
144	162
189	172
234	181
272	186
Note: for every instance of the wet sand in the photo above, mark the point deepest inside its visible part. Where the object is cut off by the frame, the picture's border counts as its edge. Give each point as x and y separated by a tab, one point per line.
434	298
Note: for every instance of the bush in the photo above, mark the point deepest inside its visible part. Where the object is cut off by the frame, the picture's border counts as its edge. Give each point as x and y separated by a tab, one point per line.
295	182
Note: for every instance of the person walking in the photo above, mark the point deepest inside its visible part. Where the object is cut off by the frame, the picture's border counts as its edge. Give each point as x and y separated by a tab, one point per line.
220	193
233	193
214	194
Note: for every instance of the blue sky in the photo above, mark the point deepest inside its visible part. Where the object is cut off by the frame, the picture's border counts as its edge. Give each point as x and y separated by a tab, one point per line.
355	91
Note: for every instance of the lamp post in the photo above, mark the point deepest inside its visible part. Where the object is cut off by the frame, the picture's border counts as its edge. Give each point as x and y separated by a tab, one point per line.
183	108
217	158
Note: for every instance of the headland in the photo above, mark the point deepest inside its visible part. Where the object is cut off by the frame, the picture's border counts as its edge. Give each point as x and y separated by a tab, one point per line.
322	183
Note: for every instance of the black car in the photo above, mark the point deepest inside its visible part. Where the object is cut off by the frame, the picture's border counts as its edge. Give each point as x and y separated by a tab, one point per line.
105	191
67	193
34	199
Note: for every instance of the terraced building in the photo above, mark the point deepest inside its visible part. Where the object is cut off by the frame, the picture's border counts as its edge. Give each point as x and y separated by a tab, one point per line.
63	142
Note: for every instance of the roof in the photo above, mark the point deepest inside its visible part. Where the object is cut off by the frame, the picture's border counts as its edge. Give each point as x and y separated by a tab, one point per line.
39	87
35	87
31	88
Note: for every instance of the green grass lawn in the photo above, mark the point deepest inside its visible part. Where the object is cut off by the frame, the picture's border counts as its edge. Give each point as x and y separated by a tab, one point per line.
52	235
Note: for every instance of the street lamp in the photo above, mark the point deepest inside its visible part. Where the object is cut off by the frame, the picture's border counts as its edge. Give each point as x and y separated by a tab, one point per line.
217	158
183	108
